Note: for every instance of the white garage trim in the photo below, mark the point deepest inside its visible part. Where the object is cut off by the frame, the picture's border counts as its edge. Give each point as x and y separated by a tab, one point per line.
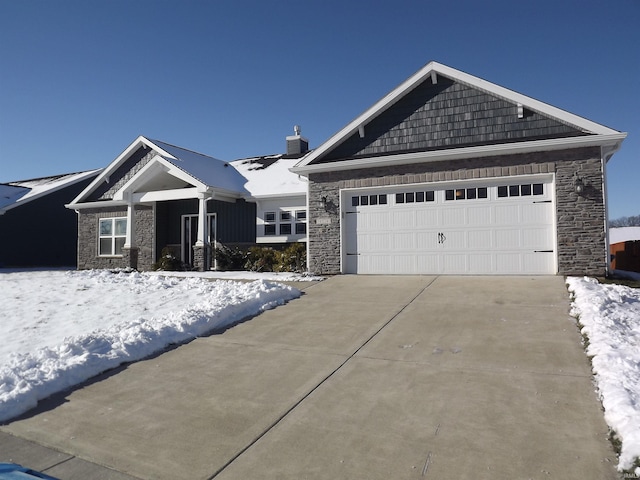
503	225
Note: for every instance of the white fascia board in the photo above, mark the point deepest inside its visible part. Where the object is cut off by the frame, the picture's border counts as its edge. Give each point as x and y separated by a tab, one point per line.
100	204
275	196
466	152
474	82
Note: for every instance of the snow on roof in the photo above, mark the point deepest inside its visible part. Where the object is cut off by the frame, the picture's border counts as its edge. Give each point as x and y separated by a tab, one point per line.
623	234
270	176
209	170
14	194
10	194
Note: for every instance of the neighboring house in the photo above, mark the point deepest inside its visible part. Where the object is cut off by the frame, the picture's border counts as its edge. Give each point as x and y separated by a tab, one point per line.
155	196
36	230
624	246
451	174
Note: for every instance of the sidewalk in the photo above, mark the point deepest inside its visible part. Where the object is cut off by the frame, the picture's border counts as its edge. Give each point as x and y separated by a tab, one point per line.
362	377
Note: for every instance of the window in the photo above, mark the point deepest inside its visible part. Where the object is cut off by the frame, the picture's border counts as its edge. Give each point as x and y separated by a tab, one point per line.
522	190
111	236
366	200
269	223
301	228
473	193
415	197
285	222
285	229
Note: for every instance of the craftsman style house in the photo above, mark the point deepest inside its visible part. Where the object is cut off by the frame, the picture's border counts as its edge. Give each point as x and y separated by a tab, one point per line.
155	196
451	174
447	174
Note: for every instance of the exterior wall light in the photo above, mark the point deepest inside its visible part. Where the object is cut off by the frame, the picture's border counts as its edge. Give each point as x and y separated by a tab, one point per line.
323	200
578	184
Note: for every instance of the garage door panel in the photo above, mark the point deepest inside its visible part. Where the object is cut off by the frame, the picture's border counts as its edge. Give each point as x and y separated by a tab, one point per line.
452	217
507	214
481	239
535	213
479	215
403	241
456	263
497	233
481	263
508	239
403	219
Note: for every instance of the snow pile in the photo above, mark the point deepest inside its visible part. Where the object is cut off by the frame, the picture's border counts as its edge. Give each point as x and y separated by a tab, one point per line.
62	328
610	315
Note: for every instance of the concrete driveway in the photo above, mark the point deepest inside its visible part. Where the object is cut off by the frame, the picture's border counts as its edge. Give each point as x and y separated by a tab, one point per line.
371	377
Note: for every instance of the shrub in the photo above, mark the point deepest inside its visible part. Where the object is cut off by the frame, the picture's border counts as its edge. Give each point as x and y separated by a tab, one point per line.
168	262
293	258
230	258
261	259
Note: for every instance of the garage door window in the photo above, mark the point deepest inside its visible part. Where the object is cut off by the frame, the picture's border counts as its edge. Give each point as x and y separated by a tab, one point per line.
466	193
521	190
415	197
366	200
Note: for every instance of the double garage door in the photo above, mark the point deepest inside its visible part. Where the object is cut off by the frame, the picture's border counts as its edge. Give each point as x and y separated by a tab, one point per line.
501	227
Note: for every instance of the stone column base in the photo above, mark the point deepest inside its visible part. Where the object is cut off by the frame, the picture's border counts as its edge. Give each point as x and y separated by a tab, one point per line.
130	257
201	257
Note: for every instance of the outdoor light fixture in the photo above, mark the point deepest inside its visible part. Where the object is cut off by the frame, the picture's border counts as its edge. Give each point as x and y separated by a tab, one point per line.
323	200
578	184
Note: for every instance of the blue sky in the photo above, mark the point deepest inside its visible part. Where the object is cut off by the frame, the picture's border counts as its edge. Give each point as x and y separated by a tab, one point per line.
81	79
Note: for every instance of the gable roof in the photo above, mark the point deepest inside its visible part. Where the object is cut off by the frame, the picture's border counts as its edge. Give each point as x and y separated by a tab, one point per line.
577	130
270	176
15	194
204	173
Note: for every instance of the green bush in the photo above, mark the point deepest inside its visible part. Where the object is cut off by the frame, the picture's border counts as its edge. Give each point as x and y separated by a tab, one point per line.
230	258
168	262
293	258
261	259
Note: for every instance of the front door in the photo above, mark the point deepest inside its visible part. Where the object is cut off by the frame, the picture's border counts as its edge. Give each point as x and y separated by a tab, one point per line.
190	235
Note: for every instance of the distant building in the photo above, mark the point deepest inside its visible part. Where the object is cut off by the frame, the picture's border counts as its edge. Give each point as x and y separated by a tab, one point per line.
36	229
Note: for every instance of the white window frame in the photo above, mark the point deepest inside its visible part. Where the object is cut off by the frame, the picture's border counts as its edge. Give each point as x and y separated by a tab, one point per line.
112	236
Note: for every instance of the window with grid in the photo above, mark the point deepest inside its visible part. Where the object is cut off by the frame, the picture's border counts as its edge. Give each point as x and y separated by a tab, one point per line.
112	233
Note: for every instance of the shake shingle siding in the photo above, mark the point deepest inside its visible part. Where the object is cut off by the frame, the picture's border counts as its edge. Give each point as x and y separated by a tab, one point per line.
447	114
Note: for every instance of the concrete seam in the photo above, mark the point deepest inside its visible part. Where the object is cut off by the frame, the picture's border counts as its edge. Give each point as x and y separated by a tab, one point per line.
322	382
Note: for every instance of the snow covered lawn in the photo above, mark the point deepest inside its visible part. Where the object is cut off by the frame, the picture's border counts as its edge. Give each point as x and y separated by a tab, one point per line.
59	328
610	319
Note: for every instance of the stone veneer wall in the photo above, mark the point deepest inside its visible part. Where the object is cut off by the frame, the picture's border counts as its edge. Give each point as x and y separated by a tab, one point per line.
88	239
580	218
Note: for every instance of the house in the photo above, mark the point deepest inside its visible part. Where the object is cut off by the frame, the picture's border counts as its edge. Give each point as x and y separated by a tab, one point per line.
155	195
625	248
35	228
451	174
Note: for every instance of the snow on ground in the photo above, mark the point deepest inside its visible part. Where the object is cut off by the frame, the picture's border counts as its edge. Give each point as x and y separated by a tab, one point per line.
59	328
610	315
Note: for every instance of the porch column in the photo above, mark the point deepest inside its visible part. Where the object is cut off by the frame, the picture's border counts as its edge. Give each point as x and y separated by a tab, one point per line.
129	249
201	249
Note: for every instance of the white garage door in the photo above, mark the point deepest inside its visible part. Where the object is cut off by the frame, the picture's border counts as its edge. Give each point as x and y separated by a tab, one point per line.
503	227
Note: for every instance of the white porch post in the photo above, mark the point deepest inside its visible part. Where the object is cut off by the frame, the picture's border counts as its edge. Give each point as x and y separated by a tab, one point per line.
129	249
130	240
202	221
201	249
